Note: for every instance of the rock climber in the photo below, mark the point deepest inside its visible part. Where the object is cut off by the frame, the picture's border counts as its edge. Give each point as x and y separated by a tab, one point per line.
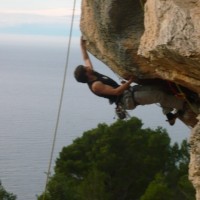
125	95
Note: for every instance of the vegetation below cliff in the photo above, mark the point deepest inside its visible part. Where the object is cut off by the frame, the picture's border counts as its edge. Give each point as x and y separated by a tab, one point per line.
150	39
122	162
5	195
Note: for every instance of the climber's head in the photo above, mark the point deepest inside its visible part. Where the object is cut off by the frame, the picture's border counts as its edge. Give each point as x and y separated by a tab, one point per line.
80	74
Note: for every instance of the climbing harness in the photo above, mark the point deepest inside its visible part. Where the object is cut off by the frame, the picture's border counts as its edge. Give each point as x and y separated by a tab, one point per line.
186	99
121	112
178	92
61	100
125	102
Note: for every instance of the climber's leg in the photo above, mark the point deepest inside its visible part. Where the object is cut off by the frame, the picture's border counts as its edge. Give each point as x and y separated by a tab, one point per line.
153	95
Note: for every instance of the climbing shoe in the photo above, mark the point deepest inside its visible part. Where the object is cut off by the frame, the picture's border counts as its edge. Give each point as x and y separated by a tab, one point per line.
171	118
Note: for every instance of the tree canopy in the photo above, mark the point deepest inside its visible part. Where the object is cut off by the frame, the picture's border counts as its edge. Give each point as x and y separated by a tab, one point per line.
4	195
122	161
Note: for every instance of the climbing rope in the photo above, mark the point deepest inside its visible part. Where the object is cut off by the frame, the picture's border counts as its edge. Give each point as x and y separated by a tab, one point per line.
178	92
60	102
186	99
142	4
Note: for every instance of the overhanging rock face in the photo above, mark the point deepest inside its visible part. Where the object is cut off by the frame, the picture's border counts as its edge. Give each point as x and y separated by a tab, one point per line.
156	39
113	30
149	39
172	40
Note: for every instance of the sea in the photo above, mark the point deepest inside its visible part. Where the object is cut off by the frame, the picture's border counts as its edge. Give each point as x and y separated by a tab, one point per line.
31	79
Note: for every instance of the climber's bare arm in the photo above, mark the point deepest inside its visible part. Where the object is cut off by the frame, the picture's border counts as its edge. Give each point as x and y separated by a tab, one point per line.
100	88
85	55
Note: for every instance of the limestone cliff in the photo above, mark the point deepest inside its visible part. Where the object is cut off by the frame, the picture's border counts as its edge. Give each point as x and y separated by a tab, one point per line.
150	40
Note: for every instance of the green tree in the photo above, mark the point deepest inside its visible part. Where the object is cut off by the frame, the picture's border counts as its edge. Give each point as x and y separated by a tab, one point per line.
174	181
158	189
119	162
186	188
93	187
4	195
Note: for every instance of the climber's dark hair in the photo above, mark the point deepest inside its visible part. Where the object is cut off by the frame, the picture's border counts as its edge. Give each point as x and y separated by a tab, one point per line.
80	74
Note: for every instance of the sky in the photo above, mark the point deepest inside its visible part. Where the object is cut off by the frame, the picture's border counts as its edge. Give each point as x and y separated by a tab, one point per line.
38	17
48	21
38	20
